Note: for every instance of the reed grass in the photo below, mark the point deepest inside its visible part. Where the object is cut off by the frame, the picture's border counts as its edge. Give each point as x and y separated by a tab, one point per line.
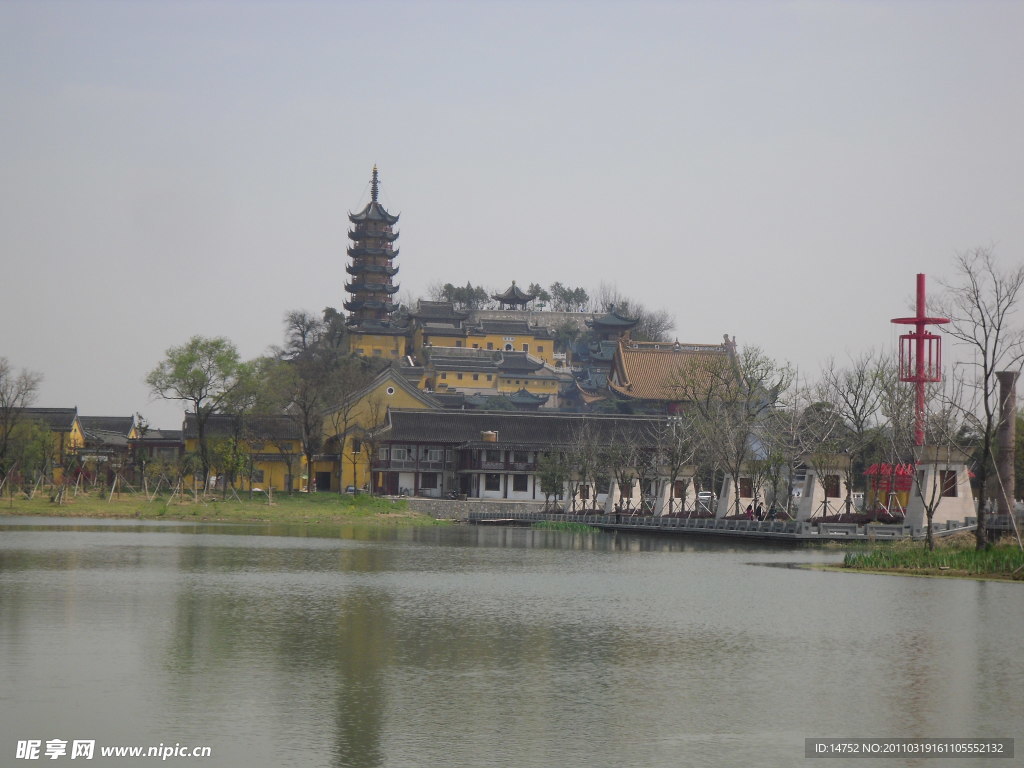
954	557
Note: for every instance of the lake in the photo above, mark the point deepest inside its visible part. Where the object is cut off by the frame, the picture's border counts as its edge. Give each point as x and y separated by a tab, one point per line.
278	645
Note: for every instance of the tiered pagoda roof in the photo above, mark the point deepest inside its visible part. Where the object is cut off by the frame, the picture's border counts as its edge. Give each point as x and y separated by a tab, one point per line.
613	324
513	296
372	252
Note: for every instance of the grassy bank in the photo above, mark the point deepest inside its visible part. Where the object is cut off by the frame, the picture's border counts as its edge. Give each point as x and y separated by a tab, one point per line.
954	556
565	525
297	508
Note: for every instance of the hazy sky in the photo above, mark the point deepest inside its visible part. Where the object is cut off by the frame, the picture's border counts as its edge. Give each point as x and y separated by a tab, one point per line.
778	171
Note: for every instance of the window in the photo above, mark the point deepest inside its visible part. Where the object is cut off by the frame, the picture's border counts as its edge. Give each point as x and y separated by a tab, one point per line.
948	482
433	454
520	483
382	453
357	445
492	455
526	347
399	454
257	476
490	345
476	377
376	353
444	376
458	343
390	390
831	485
746	488
458	376
492	481
540	350
520	457
508	347
488	377
428	480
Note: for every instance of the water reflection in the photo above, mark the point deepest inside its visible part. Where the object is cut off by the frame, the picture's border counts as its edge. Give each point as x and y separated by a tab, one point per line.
473	646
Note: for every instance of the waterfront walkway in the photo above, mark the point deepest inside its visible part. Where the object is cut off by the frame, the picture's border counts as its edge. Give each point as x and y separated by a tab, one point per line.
777	530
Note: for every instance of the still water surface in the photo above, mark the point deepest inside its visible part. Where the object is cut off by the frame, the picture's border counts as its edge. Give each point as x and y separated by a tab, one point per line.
465	646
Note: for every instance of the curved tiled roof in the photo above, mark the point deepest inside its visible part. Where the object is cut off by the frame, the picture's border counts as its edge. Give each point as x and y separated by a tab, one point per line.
652	370
523	428
612	320
514	295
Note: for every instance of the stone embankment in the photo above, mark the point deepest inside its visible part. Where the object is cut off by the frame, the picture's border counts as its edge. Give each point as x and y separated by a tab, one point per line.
453	509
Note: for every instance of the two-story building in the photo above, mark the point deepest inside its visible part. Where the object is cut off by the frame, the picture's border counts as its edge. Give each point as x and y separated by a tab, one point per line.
493	455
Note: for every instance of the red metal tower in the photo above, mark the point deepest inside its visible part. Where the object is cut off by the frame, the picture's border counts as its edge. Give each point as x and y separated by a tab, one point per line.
920	356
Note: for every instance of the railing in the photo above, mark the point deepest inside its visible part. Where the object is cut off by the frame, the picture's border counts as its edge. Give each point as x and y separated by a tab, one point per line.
468	462
755	528
420	465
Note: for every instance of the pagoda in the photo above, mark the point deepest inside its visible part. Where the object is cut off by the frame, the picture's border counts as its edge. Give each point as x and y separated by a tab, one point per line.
611	326
513	298
370	306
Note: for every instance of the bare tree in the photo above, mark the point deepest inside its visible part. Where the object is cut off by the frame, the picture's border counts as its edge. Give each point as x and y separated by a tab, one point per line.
981	304
677	441
784	435
854	395
342	418
948	437
18	391
375	414
583	460
727	399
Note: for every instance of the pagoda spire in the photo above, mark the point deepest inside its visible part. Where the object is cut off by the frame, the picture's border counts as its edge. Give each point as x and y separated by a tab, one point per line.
374	185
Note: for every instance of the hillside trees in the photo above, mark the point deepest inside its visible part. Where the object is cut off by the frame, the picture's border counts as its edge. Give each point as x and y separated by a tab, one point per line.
566	299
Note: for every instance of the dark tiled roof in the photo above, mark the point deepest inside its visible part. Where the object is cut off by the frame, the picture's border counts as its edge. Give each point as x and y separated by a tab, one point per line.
513	328
513	427
57	419
612	320
252	427
121	425
373	211
451	400
438	310
514	295
518	362
527	399
161	435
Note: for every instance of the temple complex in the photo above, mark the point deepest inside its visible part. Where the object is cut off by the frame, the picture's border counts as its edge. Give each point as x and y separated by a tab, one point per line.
506	357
